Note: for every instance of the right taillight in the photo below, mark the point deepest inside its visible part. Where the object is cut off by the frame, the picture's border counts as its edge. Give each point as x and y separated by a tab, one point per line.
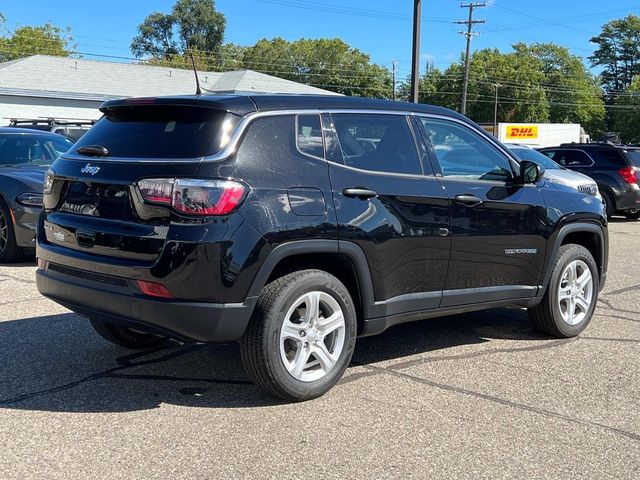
194	196
629	174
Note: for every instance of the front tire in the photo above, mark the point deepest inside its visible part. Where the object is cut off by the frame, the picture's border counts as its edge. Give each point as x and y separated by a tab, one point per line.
568	304
301	336
126	337
632	214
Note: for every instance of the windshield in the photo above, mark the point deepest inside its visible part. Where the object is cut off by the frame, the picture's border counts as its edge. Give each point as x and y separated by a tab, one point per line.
534	156
157	131
634	157
31	149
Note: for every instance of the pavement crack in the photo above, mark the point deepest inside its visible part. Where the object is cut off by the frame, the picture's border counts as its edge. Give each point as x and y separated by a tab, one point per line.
544	346
23	300
623	290
4	276
502	401
608	305
619	317
606	339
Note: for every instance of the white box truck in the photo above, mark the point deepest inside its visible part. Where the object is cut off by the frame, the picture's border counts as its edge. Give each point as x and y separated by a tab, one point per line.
540	135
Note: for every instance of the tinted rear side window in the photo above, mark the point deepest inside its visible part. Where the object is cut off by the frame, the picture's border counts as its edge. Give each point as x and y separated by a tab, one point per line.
634	157
309	135
377	142
614	157
160	132
572	158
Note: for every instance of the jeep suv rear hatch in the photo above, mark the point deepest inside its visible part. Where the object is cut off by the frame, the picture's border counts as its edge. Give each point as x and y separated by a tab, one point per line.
93	197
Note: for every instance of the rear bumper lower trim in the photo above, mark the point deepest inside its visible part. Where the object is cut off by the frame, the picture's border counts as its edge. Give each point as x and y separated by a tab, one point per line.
186	321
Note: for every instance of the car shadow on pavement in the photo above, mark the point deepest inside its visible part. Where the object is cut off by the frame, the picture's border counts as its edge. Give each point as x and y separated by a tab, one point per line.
26	263
58	363
623	220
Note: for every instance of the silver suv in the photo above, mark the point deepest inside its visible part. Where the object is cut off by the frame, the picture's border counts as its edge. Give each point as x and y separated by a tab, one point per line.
554	172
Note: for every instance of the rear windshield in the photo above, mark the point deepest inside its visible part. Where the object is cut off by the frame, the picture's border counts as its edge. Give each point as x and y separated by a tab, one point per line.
634	157
155	131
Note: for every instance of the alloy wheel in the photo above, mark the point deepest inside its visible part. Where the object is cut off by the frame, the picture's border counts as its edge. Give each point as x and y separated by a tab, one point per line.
575	292
312	336
4	232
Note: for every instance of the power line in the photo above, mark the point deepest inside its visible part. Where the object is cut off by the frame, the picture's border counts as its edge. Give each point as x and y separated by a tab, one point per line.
343	10
486	79
381	89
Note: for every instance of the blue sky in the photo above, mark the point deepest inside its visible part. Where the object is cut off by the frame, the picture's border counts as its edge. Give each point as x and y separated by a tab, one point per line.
381	28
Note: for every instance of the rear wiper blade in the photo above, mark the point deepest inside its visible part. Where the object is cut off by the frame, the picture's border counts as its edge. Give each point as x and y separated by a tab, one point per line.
93	151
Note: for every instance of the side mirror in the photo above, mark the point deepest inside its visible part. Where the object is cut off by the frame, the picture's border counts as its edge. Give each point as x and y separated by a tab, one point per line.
530	172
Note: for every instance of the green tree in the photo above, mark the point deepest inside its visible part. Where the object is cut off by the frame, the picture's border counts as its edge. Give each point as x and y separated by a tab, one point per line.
626	113
46	39
326	63
521	97
192	26
618	52
573	92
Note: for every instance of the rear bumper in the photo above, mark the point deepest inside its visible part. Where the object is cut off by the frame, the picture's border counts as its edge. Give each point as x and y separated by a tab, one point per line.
629	200
121	304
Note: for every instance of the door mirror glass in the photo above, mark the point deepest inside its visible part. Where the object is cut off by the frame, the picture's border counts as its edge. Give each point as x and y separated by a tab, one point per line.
530	172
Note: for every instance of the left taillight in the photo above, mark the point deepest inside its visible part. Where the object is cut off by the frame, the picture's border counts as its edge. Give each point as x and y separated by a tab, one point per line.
629	174
194	196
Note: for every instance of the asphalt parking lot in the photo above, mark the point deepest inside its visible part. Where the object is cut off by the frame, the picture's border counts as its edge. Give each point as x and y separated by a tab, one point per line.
472	396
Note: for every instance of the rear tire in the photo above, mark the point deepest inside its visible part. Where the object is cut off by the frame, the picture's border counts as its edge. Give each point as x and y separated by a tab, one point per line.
126	337
572	294
632	214
301	336
10	252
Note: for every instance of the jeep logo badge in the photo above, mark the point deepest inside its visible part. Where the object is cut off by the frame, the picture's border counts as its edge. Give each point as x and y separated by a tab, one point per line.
90	169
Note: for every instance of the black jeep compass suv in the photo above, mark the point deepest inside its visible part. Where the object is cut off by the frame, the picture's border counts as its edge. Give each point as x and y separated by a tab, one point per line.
295	224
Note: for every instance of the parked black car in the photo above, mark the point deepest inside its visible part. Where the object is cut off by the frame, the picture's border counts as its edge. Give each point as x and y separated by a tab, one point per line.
70	128
24	158
613	167
297	223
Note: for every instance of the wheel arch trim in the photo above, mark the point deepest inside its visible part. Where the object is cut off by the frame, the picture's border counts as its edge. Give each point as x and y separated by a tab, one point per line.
577	227
299	247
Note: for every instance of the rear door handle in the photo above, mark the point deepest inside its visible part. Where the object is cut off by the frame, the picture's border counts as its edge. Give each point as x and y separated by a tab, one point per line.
359	192
468	200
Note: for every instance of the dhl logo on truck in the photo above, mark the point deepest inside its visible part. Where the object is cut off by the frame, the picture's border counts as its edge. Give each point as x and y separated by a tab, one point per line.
514	132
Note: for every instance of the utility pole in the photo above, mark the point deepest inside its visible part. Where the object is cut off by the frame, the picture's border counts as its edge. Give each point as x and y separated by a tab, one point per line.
393	70
469	34
495	112
415	67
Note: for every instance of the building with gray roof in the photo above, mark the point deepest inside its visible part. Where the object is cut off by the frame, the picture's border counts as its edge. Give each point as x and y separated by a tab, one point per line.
43	86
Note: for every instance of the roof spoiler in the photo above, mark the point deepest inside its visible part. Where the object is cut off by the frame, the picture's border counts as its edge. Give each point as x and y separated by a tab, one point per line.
236	104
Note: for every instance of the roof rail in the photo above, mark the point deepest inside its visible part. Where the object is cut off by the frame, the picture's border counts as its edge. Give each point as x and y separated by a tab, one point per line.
52	121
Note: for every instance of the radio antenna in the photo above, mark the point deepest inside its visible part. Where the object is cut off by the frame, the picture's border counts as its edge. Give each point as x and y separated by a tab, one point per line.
195	72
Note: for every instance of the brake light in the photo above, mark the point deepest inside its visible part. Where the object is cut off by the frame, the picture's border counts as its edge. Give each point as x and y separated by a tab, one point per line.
140	101
629	174
192	196
154	289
